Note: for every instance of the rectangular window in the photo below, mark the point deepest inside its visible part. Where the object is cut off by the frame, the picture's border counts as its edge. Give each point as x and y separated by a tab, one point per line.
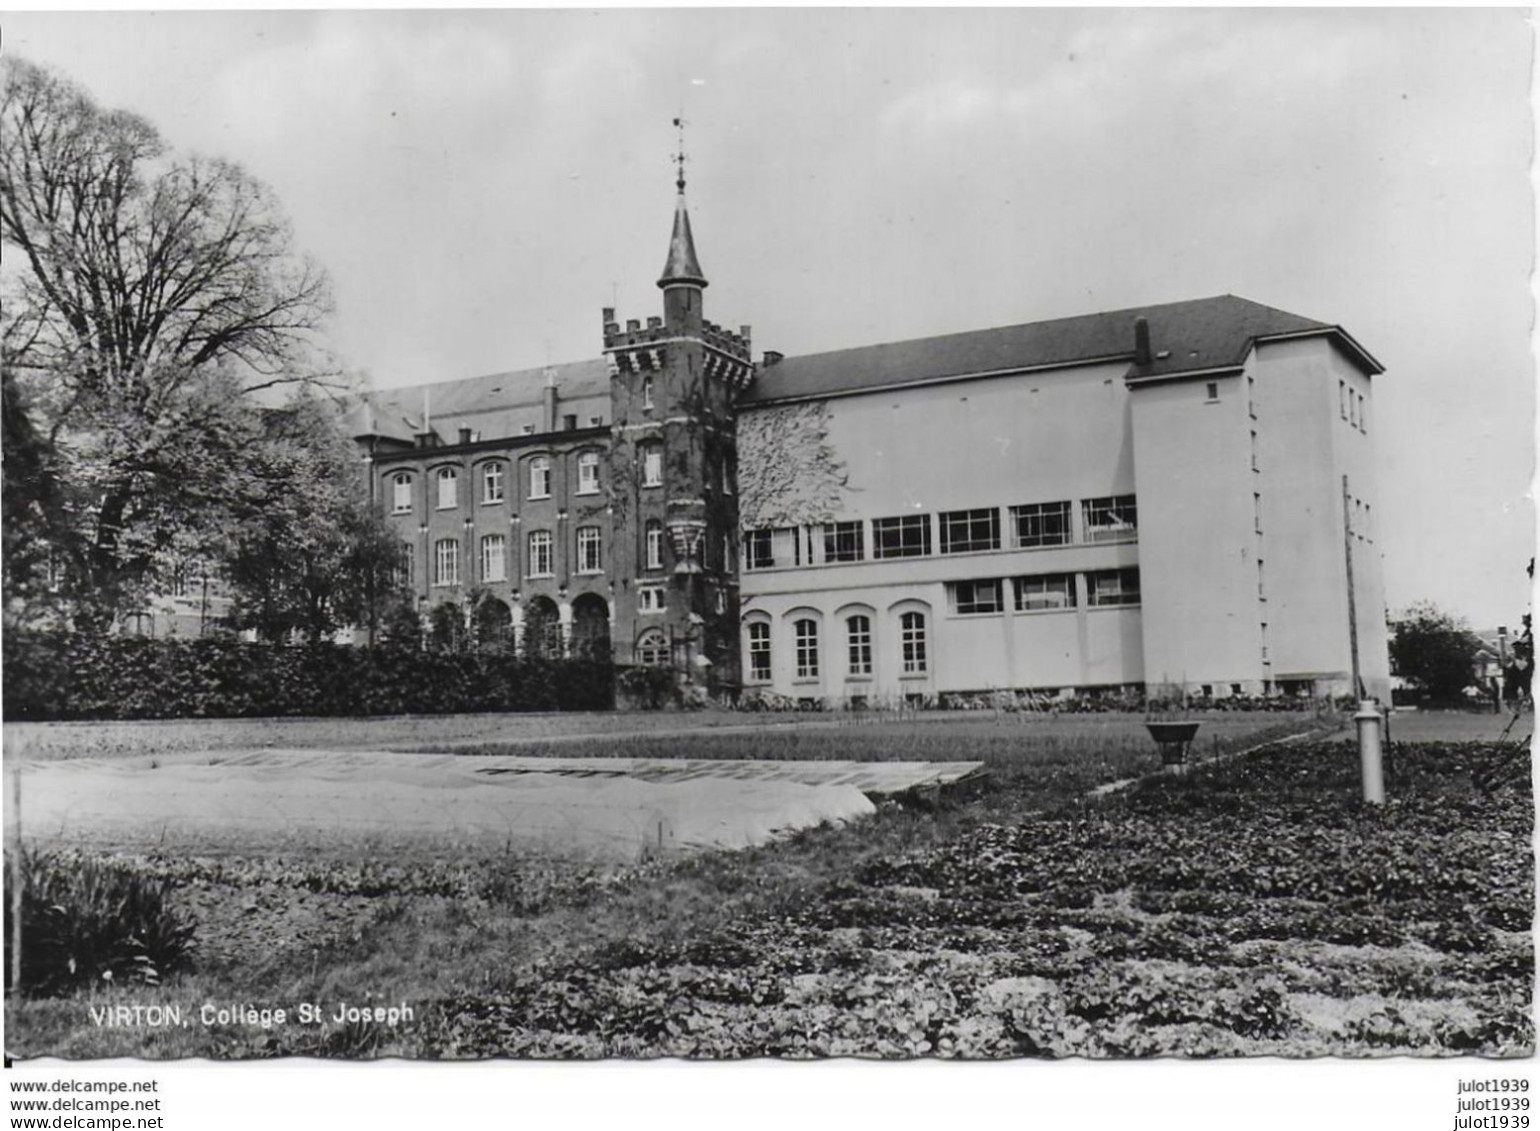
843	542
1042	524
403	570
727	477
650	599
758	549
1342	395
1045	591
447	482
654	547
569	422
859	636
1352	409
1255	466
540	553
1213	390
1256	511
1112	587
494	564
588	473
906	536
1261	582
401	494
976	596
446	562
1113	518
540	478
588	550
652	466
964	532
1251	395
492	483
806	632
759	652
1363	416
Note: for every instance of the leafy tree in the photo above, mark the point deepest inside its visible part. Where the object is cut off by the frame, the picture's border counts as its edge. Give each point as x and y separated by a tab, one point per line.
148	297
309	551
788	472
1434	651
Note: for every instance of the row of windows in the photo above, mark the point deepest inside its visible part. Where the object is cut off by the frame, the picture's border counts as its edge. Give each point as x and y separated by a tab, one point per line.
858	646
1111	518
494	557
493	475
1104	588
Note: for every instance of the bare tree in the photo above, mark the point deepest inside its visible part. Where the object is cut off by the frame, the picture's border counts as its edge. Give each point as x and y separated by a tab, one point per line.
147	297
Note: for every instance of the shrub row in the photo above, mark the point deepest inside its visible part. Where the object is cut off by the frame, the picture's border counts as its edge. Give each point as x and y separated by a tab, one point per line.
61	676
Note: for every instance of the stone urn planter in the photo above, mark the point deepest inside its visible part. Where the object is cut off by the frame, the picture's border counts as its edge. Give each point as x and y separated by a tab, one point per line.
1173	738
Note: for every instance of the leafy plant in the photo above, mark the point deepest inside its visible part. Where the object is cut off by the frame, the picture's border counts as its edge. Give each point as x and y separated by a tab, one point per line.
87	922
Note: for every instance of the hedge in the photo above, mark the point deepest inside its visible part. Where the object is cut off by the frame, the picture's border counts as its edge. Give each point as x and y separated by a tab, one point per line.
50	676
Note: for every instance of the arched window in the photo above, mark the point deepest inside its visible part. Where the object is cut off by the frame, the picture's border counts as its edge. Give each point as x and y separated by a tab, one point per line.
448	484
654	539
401	493
806	633
759	651
652	649
492	483
912	635
540	478
858	630
652	465
588	473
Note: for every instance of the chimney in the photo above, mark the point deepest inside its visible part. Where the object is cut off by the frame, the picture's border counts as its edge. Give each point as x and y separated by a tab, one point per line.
772	357
550	400
1142	354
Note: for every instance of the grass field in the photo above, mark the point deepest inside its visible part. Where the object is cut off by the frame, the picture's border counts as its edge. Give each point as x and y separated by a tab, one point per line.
1019	918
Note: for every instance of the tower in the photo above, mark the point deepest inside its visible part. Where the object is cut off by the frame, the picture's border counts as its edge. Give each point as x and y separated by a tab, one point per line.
673	455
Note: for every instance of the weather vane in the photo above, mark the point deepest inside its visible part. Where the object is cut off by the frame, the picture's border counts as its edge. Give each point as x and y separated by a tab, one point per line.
679	124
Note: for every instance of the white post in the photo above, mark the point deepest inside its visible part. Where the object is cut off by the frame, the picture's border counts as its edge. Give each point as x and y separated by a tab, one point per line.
1368	719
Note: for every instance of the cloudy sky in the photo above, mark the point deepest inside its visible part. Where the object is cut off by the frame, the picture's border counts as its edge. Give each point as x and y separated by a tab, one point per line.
480	184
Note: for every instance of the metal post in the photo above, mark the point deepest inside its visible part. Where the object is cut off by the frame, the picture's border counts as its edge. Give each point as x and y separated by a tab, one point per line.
13	850
1370	762
1352	604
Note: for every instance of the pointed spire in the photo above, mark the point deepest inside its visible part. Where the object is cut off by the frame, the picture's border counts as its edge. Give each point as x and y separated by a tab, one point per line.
682	265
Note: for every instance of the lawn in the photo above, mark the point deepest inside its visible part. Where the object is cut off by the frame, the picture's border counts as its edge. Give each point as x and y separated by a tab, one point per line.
1251	907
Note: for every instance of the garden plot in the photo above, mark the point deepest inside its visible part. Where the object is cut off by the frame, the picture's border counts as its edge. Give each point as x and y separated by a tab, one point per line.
596	808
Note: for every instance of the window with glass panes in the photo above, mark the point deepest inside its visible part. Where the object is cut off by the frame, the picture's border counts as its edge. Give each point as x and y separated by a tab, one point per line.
1045	591
964	532
446	562
588	473
842	542
1042	524
758	549
492	483
654	544
652	465
911	627
805	633
976	596
1112	518
540	553
1112	587
759	651
902	536
858	630
540	478
448	482
494	558
588	550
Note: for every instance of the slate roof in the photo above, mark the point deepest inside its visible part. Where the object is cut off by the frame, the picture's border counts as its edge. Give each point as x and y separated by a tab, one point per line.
1199	334
496	404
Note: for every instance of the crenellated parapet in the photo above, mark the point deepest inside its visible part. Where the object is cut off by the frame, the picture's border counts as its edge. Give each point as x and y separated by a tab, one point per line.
639	348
